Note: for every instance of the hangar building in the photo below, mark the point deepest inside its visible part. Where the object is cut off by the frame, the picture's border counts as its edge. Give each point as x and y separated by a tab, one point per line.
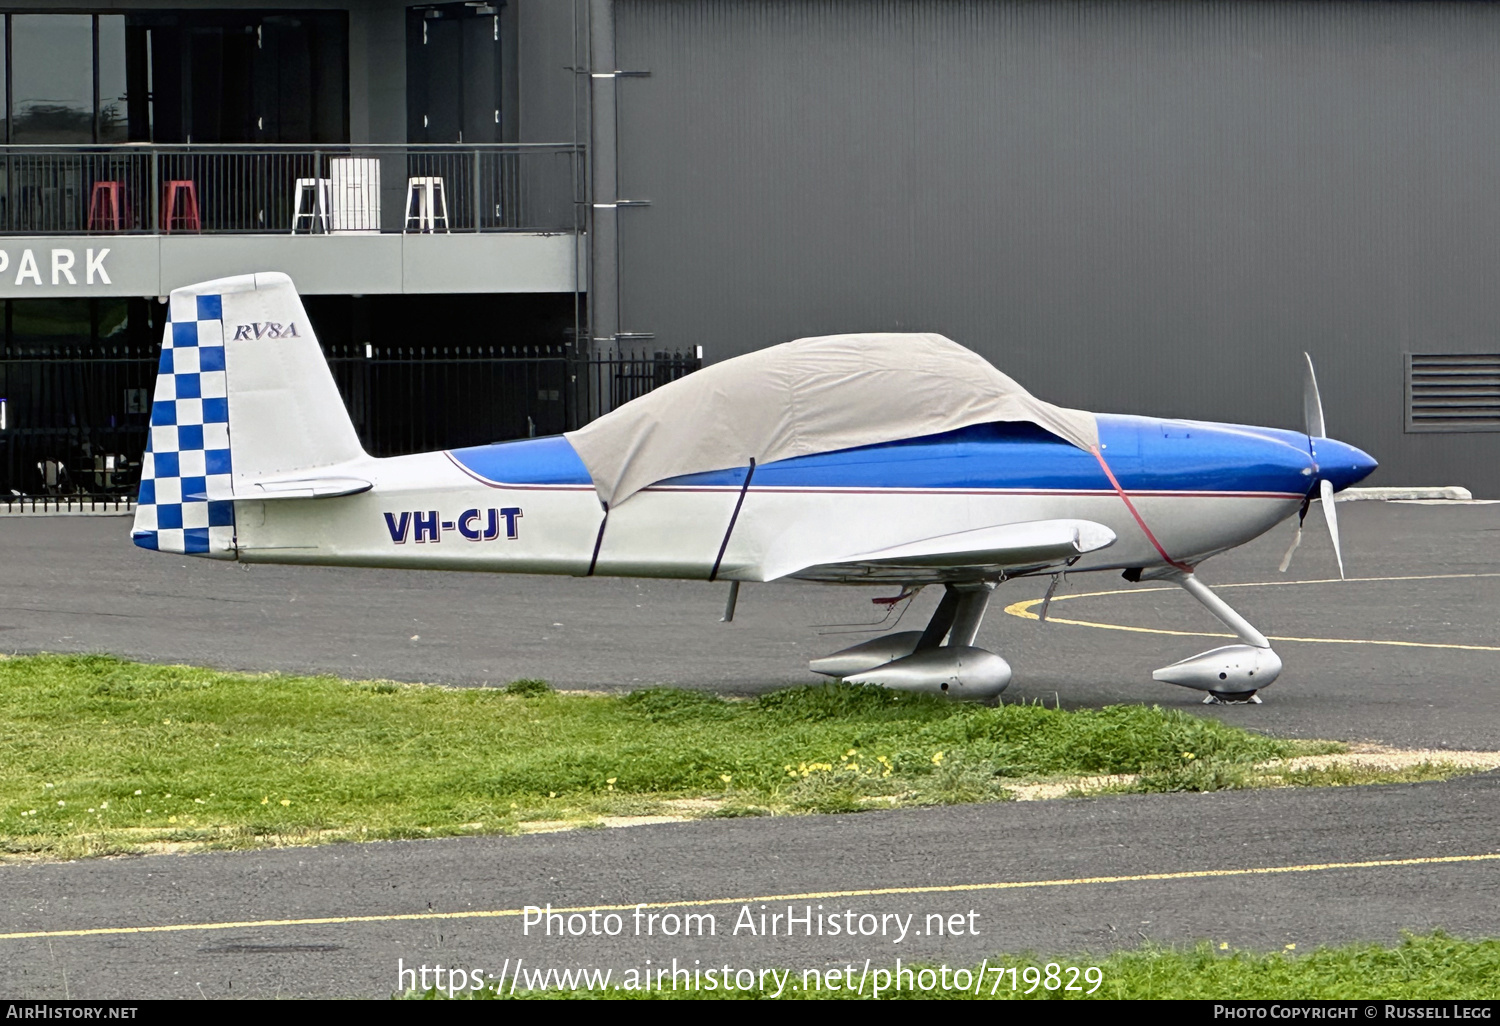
510	215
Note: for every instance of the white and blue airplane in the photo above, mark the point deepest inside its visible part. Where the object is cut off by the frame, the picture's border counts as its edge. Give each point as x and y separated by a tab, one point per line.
894	459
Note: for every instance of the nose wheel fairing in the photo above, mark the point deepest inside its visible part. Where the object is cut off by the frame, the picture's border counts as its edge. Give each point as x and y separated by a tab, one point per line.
1231	674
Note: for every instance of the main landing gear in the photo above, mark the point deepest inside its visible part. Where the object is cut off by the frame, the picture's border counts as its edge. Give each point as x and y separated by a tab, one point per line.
940	660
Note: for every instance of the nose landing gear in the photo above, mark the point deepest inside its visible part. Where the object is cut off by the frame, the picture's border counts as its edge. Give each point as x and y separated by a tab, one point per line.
1231	674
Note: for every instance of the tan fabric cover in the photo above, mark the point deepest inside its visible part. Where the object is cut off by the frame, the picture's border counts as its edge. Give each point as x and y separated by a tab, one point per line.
808	396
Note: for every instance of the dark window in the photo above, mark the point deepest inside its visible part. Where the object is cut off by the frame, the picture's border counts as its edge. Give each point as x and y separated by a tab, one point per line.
239	76
178	76
47	324
52	78
114	92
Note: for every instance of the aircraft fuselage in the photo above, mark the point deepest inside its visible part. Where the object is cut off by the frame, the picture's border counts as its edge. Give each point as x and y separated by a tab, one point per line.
529	506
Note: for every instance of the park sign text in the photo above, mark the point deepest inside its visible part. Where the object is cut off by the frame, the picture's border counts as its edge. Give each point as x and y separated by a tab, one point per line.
130	264
41	267
59	265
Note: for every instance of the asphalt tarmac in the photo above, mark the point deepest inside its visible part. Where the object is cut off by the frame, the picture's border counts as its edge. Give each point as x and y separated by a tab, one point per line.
359	889
78	585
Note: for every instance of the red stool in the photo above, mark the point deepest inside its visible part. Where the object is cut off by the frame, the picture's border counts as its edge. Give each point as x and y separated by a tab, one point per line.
105	202
179	207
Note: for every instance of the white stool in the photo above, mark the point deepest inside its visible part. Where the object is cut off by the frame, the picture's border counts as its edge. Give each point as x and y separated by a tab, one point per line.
318	215
431	204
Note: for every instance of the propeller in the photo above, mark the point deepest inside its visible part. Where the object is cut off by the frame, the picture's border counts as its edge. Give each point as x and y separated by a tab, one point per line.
1325	492
1312	419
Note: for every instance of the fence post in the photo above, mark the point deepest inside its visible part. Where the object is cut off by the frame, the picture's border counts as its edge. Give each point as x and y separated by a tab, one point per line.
477	191
155	186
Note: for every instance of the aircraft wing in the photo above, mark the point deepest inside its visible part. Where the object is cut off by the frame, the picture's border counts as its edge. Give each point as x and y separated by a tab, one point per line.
966	555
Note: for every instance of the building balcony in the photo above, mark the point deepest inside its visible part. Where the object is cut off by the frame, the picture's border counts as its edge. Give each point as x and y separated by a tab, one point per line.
141	220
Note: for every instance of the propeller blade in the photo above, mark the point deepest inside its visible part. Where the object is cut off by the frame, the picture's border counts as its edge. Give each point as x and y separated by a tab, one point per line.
1325	491
1312	403
1286	560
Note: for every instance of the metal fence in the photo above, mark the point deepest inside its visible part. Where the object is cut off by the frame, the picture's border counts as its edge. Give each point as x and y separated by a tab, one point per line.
613	380
267	189
406	399
74	419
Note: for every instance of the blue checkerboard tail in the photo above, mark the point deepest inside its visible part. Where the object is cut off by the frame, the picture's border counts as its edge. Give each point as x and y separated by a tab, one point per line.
243	395
186	499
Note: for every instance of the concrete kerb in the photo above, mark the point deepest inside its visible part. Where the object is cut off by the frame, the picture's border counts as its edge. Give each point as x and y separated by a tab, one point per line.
1448	493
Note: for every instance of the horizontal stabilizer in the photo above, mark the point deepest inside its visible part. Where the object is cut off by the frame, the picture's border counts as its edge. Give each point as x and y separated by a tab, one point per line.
301	488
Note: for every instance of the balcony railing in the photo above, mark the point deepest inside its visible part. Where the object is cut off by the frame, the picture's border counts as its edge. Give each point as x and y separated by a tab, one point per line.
165	189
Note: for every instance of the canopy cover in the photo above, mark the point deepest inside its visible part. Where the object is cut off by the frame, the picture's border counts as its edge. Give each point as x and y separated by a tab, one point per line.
808	396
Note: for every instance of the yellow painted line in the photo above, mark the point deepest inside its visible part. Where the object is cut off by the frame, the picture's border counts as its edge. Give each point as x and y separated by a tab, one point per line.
1024	608
1008	885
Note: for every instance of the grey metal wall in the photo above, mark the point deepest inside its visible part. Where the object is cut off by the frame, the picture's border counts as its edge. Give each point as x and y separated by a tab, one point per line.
1148	208
549	97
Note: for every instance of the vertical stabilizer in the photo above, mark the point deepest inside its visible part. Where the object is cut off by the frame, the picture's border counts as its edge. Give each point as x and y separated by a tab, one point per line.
243	394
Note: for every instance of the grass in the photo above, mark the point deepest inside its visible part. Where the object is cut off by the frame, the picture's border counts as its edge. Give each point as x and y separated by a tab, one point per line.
1432	967
99	755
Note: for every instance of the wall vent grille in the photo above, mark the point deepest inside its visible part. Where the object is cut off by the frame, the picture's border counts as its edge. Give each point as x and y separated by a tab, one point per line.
1453	391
